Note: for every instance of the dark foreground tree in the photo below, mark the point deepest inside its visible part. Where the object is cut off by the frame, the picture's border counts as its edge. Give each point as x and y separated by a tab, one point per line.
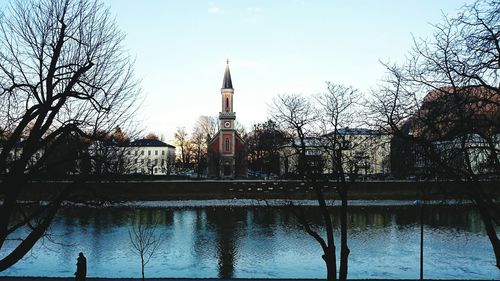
338	107
444	102
63	75
319	144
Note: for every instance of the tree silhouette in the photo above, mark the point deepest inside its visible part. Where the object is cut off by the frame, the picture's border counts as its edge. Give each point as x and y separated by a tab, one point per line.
145	242
318	139
63	75
444	101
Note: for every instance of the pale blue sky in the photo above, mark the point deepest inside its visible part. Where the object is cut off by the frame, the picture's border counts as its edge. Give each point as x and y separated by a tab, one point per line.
273	46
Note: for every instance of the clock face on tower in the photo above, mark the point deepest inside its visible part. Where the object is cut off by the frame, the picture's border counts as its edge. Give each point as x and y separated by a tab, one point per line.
227	124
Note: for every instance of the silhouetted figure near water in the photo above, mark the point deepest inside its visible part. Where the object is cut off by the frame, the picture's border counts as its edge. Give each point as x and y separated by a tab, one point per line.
81	268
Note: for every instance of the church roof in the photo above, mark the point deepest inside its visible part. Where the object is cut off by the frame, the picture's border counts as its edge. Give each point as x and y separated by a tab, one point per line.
227	83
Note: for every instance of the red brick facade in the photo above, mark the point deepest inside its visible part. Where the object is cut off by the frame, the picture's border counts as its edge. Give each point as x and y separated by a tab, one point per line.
218	163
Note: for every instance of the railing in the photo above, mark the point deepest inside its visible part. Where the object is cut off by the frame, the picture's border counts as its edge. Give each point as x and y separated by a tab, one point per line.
227	115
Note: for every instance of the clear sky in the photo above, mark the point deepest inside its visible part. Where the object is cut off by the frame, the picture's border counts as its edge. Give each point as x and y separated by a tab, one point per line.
274	47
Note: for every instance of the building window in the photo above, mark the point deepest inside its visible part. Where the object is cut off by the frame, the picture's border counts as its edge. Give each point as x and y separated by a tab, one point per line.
227	104
156	152
163	152
149	152
142	152
227	144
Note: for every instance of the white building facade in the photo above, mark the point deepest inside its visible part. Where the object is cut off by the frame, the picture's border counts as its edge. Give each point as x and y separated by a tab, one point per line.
365	152
149	157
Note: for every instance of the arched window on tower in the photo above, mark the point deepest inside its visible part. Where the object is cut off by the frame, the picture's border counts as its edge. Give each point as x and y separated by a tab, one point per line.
227	104
227	144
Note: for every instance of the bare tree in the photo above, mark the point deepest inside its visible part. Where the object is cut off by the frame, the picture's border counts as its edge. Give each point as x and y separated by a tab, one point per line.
320	137
181	140
152	136
119	136
209	125
297	115
240	129
264	143
338	111
199	142
110	155
63	72
444	101
145	243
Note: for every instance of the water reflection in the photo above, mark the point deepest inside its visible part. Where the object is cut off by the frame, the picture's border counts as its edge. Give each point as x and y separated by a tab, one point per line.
264	242
225	221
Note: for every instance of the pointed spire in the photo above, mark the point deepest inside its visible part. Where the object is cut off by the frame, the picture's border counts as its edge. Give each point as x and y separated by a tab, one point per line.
227	83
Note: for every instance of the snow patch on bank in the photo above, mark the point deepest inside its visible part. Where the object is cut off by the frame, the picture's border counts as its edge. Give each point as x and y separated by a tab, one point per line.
277	203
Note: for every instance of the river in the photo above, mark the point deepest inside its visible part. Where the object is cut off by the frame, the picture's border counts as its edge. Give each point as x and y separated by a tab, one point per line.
243	241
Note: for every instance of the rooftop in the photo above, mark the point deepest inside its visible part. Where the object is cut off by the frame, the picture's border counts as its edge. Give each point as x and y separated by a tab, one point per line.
151	143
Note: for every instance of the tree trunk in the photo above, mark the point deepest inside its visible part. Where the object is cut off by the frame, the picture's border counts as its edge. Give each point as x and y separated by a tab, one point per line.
142	267
496	248
490	228
342	187
495	242
344	249
330	255
9	201
29	241
331	264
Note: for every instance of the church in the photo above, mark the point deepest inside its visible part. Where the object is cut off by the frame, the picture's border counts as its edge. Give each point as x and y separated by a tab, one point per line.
227	150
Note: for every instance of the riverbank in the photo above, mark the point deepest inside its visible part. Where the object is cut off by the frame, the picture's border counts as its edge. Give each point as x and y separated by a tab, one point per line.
257	189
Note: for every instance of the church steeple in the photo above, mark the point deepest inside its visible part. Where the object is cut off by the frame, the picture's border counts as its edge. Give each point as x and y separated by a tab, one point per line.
226	151
227	83
227	92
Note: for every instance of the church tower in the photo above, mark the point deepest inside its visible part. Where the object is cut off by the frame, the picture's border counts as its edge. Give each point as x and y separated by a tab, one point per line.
227	114
227	153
